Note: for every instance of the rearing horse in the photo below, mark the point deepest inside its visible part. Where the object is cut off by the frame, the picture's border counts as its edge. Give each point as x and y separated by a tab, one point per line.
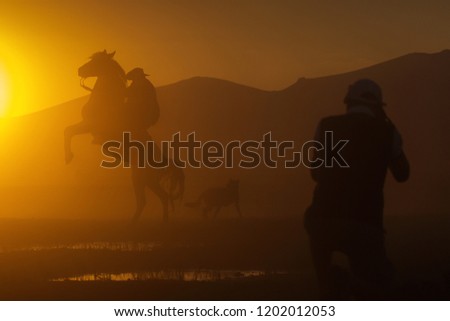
104	116
105	107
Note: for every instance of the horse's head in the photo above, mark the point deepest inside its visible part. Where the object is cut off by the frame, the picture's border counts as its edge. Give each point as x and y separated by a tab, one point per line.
106	69
101	64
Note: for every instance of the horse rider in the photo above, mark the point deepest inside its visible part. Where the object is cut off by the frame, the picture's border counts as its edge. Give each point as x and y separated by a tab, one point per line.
141	102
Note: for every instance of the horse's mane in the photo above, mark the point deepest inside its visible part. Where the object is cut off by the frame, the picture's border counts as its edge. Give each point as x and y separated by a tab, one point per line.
115	65
120	71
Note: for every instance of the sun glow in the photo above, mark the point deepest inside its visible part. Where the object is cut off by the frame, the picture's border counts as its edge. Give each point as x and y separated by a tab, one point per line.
4	91
16	87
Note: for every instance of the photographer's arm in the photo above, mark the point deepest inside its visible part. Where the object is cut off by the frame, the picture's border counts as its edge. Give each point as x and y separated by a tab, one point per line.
318	137
399	164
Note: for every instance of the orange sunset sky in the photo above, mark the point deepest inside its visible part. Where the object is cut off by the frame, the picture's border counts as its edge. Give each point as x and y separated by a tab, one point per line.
265	44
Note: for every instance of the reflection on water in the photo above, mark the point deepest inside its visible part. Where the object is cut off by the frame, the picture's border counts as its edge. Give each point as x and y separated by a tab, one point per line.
176	275
105	246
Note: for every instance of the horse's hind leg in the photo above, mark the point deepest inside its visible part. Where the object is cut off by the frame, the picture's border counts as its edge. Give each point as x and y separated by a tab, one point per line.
164	198
69	132
217	211
172	204
238	209
205	212
139	193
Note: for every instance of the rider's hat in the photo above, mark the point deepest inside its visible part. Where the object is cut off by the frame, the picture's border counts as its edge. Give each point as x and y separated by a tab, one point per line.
136	73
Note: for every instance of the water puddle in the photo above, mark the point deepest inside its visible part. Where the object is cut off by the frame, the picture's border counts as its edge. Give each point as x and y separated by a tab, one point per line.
93	246
175	275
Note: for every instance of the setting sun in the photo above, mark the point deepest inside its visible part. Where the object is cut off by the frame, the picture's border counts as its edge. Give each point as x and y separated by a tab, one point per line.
4	91
21	89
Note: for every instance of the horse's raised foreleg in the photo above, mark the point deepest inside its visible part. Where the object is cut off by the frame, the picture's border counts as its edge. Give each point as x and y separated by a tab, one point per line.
69	132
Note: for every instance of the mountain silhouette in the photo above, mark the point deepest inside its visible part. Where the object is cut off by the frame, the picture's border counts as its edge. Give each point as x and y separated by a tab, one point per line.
36	182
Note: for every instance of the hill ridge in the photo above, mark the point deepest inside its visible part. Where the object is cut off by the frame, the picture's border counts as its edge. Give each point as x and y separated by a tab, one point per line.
199	80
